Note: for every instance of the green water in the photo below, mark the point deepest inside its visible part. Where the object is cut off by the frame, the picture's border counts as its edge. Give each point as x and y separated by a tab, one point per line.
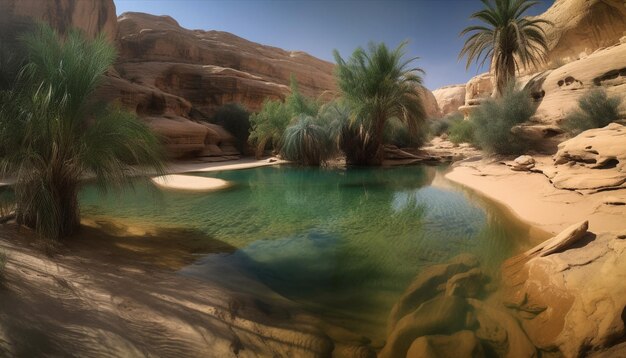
342	243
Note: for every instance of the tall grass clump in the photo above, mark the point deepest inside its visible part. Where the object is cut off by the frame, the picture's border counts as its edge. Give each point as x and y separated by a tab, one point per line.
3	263
236	120
269	125
307	142
494	119
53	132
595	110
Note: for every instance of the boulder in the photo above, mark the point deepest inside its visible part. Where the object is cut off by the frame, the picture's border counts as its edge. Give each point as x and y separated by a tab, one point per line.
441	315
460	344
523	163
450	98
478	88
592	161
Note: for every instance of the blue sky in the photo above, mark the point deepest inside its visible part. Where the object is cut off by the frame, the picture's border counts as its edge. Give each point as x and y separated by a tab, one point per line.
319	26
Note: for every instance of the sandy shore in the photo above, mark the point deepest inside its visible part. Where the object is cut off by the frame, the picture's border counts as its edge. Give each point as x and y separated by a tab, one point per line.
532	197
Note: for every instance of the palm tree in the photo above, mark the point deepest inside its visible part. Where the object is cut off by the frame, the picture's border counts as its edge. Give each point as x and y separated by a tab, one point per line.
507	38
54	133
377	85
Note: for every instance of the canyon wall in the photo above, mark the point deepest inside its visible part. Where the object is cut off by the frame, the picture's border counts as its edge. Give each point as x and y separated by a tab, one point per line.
586	41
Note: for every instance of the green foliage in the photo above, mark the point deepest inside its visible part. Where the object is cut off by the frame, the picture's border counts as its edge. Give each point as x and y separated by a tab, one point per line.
268	126
307	142
507	38
441	126
53	132
495	118
377	85
595	110
236	120
462	132
397	133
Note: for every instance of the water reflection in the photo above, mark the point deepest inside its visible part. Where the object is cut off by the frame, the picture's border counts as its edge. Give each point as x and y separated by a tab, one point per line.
343	243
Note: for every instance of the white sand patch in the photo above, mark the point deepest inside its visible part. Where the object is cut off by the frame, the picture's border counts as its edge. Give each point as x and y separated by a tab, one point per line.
189	183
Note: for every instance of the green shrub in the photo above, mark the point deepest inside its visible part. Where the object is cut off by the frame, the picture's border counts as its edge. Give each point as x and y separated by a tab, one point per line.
495	118
307	142
268	126
236	120
441	126
462	132
595	110
397	133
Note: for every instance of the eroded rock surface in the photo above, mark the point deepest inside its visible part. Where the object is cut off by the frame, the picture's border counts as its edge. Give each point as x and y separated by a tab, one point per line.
573	301
592	161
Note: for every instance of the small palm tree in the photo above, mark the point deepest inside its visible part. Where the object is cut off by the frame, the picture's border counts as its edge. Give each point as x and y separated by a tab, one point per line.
377	85
54	133
507	38
307	142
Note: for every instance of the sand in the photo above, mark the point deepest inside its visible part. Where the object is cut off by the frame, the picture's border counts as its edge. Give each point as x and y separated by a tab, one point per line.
190	183
532	198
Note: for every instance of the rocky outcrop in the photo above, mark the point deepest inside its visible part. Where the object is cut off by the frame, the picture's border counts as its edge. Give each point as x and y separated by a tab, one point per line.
91	16
594	160
572	300
580	27
563	86
450	98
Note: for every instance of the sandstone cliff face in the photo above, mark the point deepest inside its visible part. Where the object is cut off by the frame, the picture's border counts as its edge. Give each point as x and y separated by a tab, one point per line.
580	27
91	16
450	98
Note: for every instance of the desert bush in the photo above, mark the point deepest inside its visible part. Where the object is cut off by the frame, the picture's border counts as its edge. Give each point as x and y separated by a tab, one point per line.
495	118
595	110
307	142
462	132
236	120
441	126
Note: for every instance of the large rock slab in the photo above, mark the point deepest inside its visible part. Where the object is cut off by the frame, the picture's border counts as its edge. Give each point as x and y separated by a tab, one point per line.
460	344
592	161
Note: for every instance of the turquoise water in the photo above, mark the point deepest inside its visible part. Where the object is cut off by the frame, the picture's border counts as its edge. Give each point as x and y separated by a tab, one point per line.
342	243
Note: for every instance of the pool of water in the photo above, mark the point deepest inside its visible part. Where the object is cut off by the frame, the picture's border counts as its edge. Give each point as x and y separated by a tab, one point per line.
341	243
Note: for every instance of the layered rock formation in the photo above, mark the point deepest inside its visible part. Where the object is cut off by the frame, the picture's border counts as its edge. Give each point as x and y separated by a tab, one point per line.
592	161
91	16
580	27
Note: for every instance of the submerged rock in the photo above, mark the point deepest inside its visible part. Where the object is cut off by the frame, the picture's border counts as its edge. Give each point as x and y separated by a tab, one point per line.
461	344
430	283
440	315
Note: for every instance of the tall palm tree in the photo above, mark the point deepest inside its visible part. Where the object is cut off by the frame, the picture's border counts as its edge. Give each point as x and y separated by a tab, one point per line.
53	132
507	38
377	85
